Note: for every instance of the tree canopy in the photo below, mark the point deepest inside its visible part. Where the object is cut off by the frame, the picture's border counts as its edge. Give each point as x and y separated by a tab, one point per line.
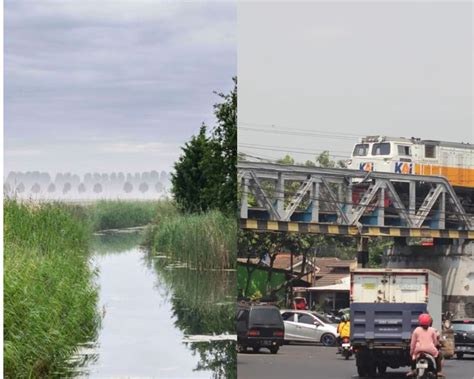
204	176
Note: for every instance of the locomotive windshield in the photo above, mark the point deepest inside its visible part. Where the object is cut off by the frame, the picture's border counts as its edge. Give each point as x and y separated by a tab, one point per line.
381	149
361	150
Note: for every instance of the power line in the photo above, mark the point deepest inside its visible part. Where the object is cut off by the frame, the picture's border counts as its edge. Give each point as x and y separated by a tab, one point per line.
290	128
295	133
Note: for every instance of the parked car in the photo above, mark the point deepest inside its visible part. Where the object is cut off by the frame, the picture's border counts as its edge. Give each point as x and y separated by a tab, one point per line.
463	337
308	326
259	326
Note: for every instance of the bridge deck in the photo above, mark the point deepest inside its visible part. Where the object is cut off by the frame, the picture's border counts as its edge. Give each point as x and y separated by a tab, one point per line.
350	230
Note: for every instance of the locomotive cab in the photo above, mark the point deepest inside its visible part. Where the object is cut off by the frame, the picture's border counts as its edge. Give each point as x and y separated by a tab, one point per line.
383	154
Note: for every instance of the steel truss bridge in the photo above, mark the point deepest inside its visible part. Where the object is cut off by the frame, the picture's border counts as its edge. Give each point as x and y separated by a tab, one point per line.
349	202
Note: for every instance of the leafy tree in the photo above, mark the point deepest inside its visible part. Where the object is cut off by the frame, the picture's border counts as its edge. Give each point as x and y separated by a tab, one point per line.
97	188
36	188
143	187
128	187
51	188
81	188
67	187
20	188
158	187
287	159
189	179
204	177
7	189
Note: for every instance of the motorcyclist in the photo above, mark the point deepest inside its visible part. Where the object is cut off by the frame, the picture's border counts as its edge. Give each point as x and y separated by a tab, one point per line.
425	339
344	329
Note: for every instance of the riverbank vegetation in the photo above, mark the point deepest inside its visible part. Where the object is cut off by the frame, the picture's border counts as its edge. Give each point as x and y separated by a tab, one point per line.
49	293
204	233
117	214
203	241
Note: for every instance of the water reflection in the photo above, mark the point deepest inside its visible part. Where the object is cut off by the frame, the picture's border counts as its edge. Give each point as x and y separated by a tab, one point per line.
203	304
116	241
154	313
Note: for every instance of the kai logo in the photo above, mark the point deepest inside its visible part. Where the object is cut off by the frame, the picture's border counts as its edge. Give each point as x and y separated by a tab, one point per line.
403	168
368	166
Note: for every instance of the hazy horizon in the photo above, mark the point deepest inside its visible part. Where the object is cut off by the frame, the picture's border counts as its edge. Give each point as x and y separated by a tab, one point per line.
120	87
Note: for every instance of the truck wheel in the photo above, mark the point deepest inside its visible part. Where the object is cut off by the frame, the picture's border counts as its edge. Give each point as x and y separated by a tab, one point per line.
361	371
240	348
382	368
274	350
256	349
372	369
459	355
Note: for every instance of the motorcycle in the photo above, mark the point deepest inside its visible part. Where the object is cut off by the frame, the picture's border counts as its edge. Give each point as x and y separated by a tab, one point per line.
425	366
346	348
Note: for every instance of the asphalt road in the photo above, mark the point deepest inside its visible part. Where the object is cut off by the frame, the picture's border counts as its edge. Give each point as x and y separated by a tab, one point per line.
318	362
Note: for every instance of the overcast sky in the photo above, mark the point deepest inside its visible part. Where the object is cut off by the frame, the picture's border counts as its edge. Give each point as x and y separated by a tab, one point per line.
325	73
112	85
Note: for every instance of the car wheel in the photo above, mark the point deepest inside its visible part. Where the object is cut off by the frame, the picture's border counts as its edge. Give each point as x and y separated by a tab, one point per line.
274	350
459	355
256	349
328	339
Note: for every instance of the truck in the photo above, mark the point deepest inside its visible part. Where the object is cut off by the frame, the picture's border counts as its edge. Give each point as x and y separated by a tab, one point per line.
384	309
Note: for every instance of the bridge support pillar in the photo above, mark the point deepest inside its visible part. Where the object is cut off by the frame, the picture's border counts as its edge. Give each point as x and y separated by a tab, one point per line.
362	252
453	261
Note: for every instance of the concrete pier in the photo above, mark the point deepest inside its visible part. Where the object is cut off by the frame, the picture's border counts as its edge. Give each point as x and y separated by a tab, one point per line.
453	260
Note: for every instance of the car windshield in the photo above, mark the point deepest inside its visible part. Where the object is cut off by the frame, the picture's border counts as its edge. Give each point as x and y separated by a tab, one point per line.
323	319
361	150
267	316
463	327
381	148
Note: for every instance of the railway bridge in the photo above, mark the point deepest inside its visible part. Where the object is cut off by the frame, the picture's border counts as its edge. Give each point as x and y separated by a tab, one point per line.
362	204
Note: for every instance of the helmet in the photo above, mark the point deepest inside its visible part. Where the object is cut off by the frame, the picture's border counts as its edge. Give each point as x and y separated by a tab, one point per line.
424	319
345	317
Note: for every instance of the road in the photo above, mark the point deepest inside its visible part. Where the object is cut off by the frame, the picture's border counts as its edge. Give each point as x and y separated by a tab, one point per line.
318	362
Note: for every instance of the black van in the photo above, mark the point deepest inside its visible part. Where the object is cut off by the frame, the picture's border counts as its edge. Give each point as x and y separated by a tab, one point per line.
463	336
259	326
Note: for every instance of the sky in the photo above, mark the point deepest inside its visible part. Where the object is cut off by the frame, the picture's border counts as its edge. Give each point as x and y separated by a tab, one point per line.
103	86
316	76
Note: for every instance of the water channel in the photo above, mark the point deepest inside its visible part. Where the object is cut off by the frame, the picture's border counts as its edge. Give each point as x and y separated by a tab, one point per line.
160	318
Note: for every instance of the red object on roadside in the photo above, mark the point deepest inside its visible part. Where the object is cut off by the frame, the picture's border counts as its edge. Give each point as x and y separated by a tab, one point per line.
299	303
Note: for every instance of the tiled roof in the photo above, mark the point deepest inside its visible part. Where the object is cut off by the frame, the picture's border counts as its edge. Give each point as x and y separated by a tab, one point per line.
329	279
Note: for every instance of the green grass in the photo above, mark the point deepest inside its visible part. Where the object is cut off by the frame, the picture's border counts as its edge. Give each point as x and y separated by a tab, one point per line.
116	214
204	241
49	296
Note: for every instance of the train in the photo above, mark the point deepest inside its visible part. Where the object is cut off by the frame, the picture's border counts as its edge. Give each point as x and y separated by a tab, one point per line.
415	156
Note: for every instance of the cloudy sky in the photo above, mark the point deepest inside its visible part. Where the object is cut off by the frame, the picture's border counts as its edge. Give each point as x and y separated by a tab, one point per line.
111	85
314	76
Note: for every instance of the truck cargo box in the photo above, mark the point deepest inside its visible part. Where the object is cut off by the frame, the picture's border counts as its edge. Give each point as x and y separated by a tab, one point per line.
384	324
398	286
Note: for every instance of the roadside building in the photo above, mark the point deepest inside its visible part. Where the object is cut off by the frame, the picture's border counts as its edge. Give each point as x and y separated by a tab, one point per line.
331	286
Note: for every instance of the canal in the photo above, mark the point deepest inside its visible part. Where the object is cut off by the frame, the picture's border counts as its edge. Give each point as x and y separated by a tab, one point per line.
161	319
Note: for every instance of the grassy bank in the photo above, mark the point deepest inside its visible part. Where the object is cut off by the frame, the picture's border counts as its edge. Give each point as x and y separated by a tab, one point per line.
202	240
49	296
116	214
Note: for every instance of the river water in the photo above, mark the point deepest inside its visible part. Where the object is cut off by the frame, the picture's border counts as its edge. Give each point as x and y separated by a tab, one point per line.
160	318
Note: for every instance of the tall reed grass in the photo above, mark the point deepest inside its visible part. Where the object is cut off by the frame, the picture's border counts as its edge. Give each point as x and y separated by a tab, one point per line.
204	241
116	214
49	296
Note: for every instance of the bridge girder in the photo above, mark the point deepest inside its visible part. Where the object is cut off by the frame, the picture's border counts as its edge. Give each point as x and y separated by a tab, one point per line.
349	198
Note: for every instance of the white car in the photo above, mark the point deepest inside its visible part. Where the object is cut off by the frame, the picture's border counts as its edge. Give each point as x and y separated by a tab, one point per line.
308	326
